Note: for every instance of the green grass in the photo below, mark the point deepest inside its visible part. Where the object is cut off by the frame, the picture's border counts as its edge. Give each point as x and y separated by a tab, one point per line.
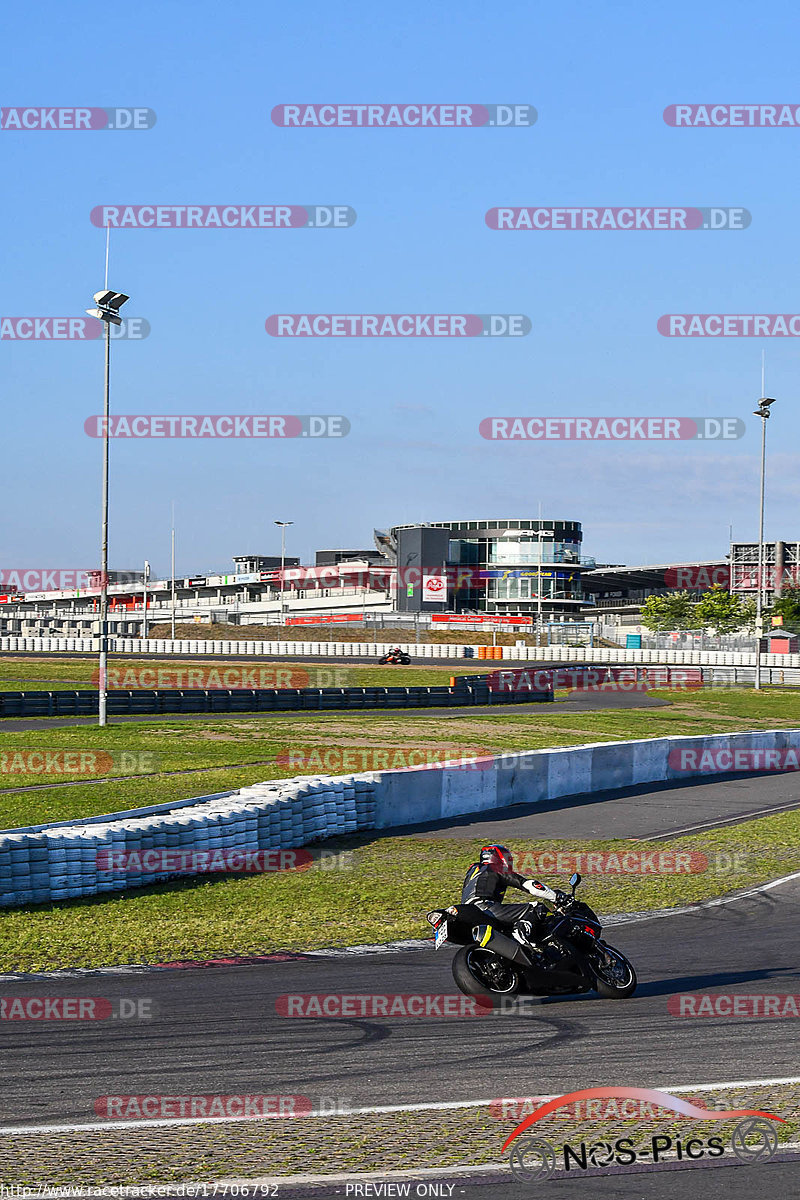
397	877
214	754
381	894
65	673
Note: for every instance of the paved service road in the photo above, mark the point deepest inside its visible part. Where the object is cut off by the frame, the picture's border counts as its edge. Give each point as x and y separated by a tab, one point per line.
647	811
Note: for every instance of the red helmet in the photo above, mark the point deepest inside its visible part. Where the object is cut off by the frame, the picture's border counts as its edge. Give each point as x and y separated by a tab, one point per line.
499	858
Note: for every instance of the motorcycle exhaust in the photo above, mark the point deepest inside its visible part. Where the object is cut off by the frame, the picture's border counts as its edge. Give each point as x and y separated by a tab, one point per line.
490	939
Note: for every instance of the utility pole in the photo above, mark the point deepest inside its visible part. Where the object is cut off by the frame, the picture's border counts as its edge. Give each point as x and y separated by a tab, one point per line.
763	412
173	572
144	599
107	308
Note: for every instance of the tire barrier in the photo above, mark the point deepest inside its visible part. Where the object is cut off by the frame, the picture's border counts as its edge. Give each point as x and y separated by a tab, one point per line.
471	690
69	860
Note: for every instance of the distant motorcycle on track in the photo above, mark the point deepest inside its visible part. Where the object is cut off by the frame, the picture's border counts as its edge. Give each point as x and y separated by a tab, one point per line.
397	656
497	958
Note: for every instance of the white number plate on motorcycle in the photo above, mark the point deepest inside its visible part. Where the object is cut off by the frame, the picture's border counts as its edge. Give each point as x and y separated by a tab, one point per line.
440	935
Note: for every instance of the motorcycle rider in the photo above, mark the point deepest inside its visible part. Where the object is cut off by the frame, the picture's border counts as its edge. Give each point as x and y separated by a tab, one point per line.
486	883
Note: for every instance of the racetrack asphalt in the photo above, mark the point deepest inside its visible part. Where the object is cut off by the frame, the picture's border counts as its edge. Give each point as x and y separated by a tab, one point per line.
216	1030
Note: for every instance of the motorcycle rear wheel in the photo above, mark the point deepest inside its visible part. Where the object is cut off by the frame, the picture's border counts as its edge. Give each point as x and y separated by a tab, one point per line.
482	973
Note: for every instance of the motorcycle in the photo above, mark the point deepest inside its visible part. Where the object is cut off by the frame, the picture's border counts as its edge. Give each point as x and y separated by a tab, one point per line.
396	656
497	958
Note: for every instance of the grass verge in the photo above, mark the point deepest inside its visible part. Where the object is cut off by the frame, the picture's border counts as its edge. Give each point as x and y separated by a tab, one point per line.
379	892
214	754
36	674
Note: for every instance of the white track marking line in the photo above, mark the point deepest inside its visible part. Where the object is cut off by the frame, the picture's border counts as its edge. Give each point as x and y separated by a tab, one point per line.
692	908
432	1106
725	823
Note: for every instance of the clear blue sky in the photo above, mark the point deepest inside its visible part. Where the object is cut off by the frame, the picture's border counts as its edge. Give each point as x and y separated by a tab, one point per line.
599	76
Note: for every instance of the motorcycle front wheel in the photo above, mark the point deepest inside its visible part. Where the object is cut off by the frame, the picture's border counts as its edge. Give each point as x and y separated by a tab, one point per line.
615	978
483	973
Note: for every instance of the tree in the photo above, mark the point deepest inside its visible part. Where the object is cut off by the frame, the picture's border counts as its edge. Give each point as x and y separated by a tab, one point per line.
723	611
788	607
662	614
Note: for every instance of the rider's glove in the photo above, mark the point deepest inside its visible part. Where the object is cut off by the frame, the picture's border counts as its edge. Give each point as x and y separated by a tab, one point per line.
563	898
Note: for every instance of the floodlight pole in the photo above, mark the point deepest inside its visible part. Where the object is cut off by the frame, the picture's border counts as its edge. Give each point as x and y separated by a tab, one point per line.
283	525
172	560
107	309
763	412
540	534
144	599
101	695
760	579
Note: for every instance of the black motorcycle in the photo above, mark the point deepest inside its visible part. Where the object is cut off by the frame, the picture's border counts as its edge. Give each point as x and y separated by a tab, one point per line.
396	656
565	954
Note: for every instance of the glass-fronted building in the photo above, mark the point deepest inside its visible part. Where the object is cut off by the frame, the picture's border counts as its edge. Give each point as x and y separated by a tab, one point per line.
507	564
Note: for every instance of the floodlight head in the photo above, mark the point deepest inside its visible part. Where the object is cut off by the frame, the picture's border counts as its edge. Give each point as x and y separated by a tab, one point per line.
108	306
108	299
105	314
